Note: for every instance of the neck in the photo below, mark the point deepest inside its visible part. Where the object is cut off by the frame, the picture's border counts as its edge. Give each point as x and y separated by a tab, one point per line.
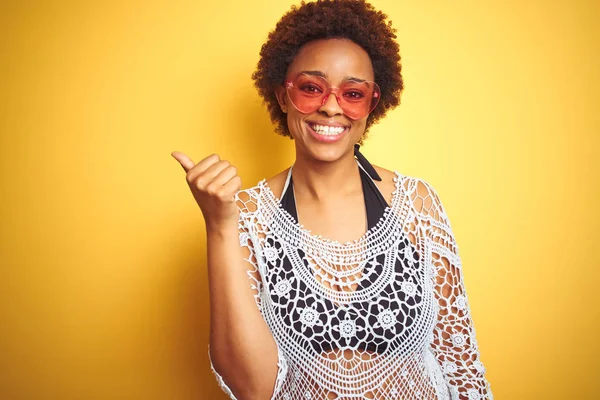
319	180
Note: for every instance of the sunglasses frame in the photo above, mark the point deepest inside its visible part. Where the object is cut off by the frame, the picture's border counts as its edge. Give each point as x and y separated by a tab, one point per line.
289	85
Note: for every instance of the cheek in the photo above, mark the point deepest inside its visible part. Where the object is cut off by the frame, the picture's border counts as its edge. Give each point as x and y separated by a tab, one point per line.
359	127
295	123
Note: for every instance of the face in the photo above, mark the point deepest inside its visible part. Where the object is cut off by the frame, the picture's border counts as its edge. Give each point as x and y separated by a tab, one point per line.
328	133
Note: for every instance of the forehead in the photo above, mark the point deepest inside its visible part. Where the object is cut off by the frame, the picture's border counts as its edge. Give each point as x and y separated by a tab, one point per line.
335	58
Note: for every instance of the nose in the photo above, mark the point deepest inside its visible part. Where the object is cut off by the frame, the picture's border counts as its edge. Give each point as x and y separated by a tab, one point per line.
331	105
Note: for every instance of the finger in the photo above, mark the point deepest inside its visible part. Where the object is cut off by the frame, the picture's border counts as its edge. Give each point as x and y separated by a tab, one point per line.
224	190
184	160
233	186
208	176
224	176
202	166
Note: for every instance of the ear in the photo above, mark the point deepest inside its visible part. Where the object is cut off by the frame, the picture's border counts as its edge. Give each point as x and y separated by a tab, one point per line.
281	98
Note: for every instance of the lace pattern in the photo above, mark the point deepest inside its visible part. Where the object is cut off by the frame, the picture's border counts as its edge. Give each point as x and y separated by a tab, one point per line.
385	316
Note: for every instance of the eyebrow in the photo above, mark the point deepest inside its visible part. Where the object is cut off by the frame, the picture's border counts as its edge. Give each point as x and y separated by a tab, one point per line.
322	75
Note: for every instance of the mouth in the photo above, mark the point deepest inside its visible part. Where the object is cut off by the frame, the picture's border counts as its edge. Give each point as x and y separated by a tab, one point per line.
327	132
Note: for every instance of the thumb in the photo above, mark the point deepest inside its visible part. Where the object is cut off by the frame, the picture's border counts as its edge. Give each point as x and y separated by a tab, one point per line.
184	160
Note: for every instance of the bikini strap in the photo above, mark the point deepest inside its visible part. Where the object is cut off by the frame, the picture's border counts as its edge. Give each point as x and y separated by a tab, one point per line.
365	163
288	179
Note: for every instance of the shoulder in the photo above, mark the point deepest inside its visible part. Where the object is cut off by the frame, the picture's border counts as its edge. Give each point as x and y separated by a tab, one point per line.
248	199
423	198
277	182
387	185
420	192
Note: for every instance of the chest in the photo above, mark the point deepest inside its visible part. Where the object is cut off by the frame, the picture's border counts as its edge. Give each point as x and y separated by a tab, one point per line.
340	221
387	297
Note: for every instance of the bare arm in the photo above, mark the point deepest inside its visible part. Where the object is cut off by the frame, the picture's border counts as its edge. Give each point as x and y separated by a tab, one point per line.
242	349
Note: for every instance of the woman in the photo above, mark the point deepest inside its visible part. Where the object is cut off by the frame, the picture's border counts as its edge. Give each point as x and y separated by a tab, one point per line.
355	284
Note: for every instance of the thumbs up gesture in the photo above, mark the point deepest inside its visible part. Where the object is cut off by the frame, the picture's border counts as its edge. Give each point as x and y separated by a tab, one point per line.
214	183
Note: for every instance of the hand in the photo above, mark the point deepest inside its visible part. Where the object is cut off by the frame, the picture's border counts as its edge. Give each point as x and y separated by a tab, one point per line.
214	183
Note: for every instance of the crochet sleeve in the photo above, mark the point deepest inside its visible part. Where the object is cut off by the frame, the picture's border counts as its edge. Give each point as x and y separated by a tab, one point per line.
454	344
247	205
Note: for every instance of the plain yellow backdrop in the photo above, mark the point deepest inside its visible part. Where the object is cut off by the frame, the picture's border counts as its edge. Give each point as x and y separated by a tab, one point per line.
103	285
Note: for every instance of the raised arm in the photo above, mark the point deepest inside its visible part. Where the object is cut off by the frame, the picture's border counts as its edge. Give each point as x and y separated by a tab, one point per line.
454	343
243	353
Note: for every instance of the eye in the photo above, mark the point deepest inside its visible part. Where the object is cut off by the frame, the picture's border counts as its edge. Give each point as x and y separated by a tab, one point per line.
310	88
354	95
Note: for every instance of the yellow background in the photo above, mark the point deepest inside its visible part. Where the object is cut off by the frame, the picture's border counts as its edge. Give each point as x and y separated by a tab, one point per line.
103	286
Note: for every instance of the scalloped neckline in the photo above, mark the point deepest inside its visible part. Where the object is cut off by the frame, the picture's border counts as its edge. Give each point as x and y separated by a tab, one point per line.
303	232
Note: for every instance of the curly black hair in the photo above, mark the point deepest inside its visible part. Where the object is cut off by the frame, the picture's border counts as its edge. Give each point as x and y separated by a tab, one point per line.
355	20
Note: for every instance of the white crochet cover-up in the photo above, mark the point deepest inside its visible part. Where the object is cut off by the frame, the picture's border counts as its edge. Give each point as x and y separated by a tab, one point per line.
383	317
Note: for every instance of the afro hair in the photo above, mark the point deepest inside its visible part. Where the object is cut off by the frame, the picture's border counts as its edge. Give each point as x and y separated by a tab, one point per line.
355	20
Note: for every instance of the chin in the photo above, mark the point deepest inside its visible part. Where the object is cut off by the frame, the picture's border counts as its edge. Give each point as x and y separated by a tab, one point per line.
327	153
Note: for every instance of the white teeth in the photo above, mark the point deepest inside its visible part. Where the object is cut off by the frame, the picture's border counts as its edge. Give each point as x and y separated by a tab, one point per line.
327	130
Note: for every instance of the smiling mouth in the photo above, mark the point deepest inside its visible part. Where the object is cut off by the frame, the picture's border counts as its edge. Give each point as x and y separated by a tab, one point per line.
327	130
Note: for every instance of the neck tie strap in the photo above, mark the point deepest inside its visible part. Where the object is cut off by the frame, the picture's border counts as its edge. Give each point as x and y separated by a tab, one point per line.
365	163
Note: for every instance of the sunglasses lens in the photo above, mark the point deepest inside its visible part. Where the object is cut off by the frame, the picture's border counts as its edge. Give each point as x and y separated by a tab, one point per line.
308	93
358	99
